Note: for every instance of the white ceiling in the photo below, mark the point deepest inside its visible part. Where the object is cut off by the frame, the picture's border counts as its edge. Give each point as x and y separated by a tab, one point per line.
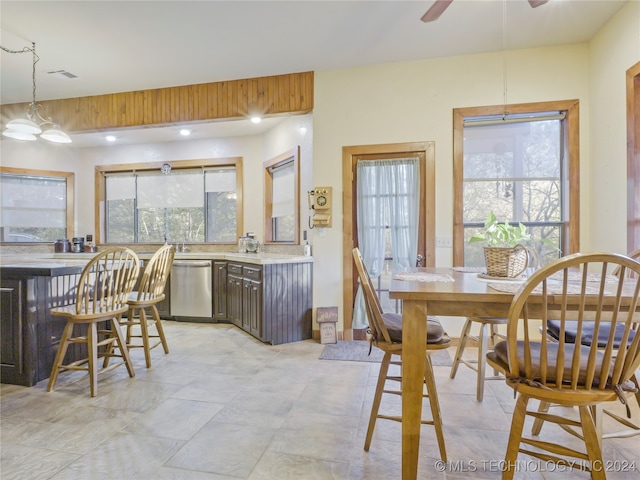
117	46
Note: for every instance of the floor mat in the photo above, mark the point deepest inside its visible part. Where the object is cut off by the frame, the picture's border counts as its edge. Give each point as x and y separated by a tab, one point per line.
358	351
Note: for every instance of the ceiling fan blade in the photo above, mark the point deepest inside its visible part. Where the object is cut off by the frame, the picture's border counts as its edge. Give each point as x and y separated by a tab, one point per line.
435	10
537	3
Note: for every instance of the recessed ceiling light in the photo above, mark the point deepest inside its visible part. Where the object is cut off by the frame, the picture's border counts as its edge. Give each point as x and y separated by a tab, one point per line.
110	138
185	133
256	119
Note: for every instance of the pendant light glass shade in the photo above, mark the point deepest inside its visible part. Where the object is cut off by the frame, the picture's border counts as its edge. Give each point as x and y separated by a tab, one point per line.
24	125
27	128
19	135
55	135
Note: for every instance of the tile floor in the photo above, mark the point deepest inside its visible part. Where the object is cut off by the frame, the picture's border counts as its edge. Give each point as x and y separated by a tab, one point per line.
224	406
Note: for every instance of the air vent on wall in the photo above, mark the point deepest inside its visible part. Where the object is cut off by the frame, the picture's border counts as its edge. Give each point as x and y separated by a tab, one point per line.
62	74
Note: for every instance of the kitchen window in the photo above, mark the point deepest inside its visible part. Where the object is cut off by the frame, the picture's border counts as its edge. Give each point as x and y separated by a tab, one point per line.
185	205
282	198
523	166
37	206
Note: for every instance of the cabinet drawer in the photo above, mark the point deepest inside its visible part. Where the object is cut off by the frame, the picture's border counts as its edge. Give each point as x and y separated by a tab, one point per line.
253	273
234	268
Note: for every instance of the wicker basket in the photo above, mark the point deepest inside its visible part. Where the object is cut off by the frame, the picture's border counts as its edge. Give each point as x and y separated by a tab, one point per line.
507	262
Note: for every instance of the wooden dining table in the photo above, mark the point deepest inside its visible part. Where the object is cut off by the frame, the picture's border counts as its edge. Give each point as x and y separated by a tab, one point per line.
437	291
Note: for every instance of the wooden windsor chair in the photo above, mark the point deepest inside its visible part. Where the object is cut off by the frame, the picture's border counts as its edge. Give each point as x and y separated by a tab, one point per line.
586	337
101	299
386	334
150	292
569	373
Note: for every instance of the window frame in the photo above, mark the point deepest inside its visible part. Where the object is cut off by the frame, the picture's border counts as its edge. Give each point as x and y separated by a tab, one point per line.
101	172
571	185
70	191
292	155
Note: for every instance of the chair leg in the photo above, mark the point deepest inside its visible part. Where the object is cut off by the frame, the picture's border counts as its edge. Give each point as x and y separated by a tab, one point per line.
92	354
634	379
144	332
538	422
515	435
482	354
430	382
592	443
62	351
382	378
463	342
115	325
130	320
158	322
493	333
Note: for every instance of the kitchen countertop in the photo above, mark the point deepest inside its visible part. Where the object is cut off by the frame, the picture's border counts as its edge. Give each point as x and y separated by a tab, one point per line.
40	267
51	264
256	258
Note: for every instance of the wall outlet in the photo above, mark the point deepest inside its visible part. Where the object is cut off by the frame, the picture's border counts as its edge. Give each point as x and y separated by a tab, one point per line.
444	242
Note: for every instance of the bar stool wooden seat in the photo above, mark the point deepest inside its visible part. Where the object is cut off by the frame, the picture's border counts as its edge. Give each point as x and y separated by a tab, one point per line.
149	293
386	334
103	289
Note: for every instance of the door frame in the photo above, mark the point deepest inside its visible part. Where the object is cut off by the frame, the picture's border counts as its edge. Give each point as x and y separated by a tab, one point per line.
633	157
348	212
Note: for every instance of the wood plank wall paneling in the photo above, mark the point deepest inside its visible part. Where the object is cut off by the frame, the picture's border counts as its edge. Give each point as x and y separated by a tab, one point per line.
266	96
287	302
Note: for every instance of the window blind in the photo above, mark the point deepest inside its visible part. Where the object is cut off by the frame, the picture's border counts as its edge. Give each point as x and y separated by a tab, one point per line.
283	187
176	190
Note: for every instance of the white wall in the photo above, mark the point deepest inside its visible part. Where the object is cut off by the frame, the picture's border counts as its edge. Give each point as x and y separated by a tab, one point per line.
294	131
612	52
253	149
413	101
38	155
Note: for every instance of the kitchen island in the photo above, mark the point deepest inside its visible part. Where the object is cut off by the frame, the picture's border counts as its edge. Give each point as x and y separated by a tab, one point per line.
267	295
29	288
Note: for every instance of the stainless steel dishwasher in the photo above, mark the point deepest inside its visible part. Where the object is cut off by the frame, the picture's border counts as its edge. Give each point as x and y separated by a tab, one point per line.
191	290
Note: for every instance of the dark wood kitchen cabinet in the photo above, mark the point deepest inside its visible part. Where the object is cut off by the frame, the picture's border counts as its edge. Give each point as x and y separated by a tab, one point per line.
244	297
219	293
252	300
30	334
164	307
272	302
12	356
234	293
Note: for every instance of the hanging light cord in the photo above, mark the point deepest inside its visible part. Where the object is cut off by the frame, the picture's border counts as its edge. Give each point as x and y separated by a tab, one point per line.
34	107
21	129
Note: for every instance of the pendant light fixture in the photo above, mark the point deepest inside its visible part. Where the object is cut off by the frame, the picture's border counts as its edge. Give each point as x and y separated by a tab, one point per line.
27	128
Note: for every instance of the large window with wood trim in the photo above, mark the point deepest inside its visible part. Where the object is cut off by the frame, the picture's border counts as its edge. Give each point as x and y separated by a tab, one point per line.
282	198
183	204
523	167
37	205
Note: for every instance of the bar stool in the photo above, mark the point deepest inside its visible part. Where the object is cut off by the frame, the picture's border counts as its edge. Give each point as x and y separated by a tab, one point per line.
488	329
149	294
386	331
103	289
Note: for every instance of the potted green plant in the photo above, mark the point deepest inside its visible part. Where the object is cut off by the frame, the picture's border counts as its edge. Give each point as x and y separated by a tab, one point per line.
504	253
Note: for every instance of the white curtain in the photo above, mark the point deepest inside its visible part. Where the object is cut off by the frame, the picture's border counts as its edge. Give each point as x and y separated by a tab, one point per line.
388	194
